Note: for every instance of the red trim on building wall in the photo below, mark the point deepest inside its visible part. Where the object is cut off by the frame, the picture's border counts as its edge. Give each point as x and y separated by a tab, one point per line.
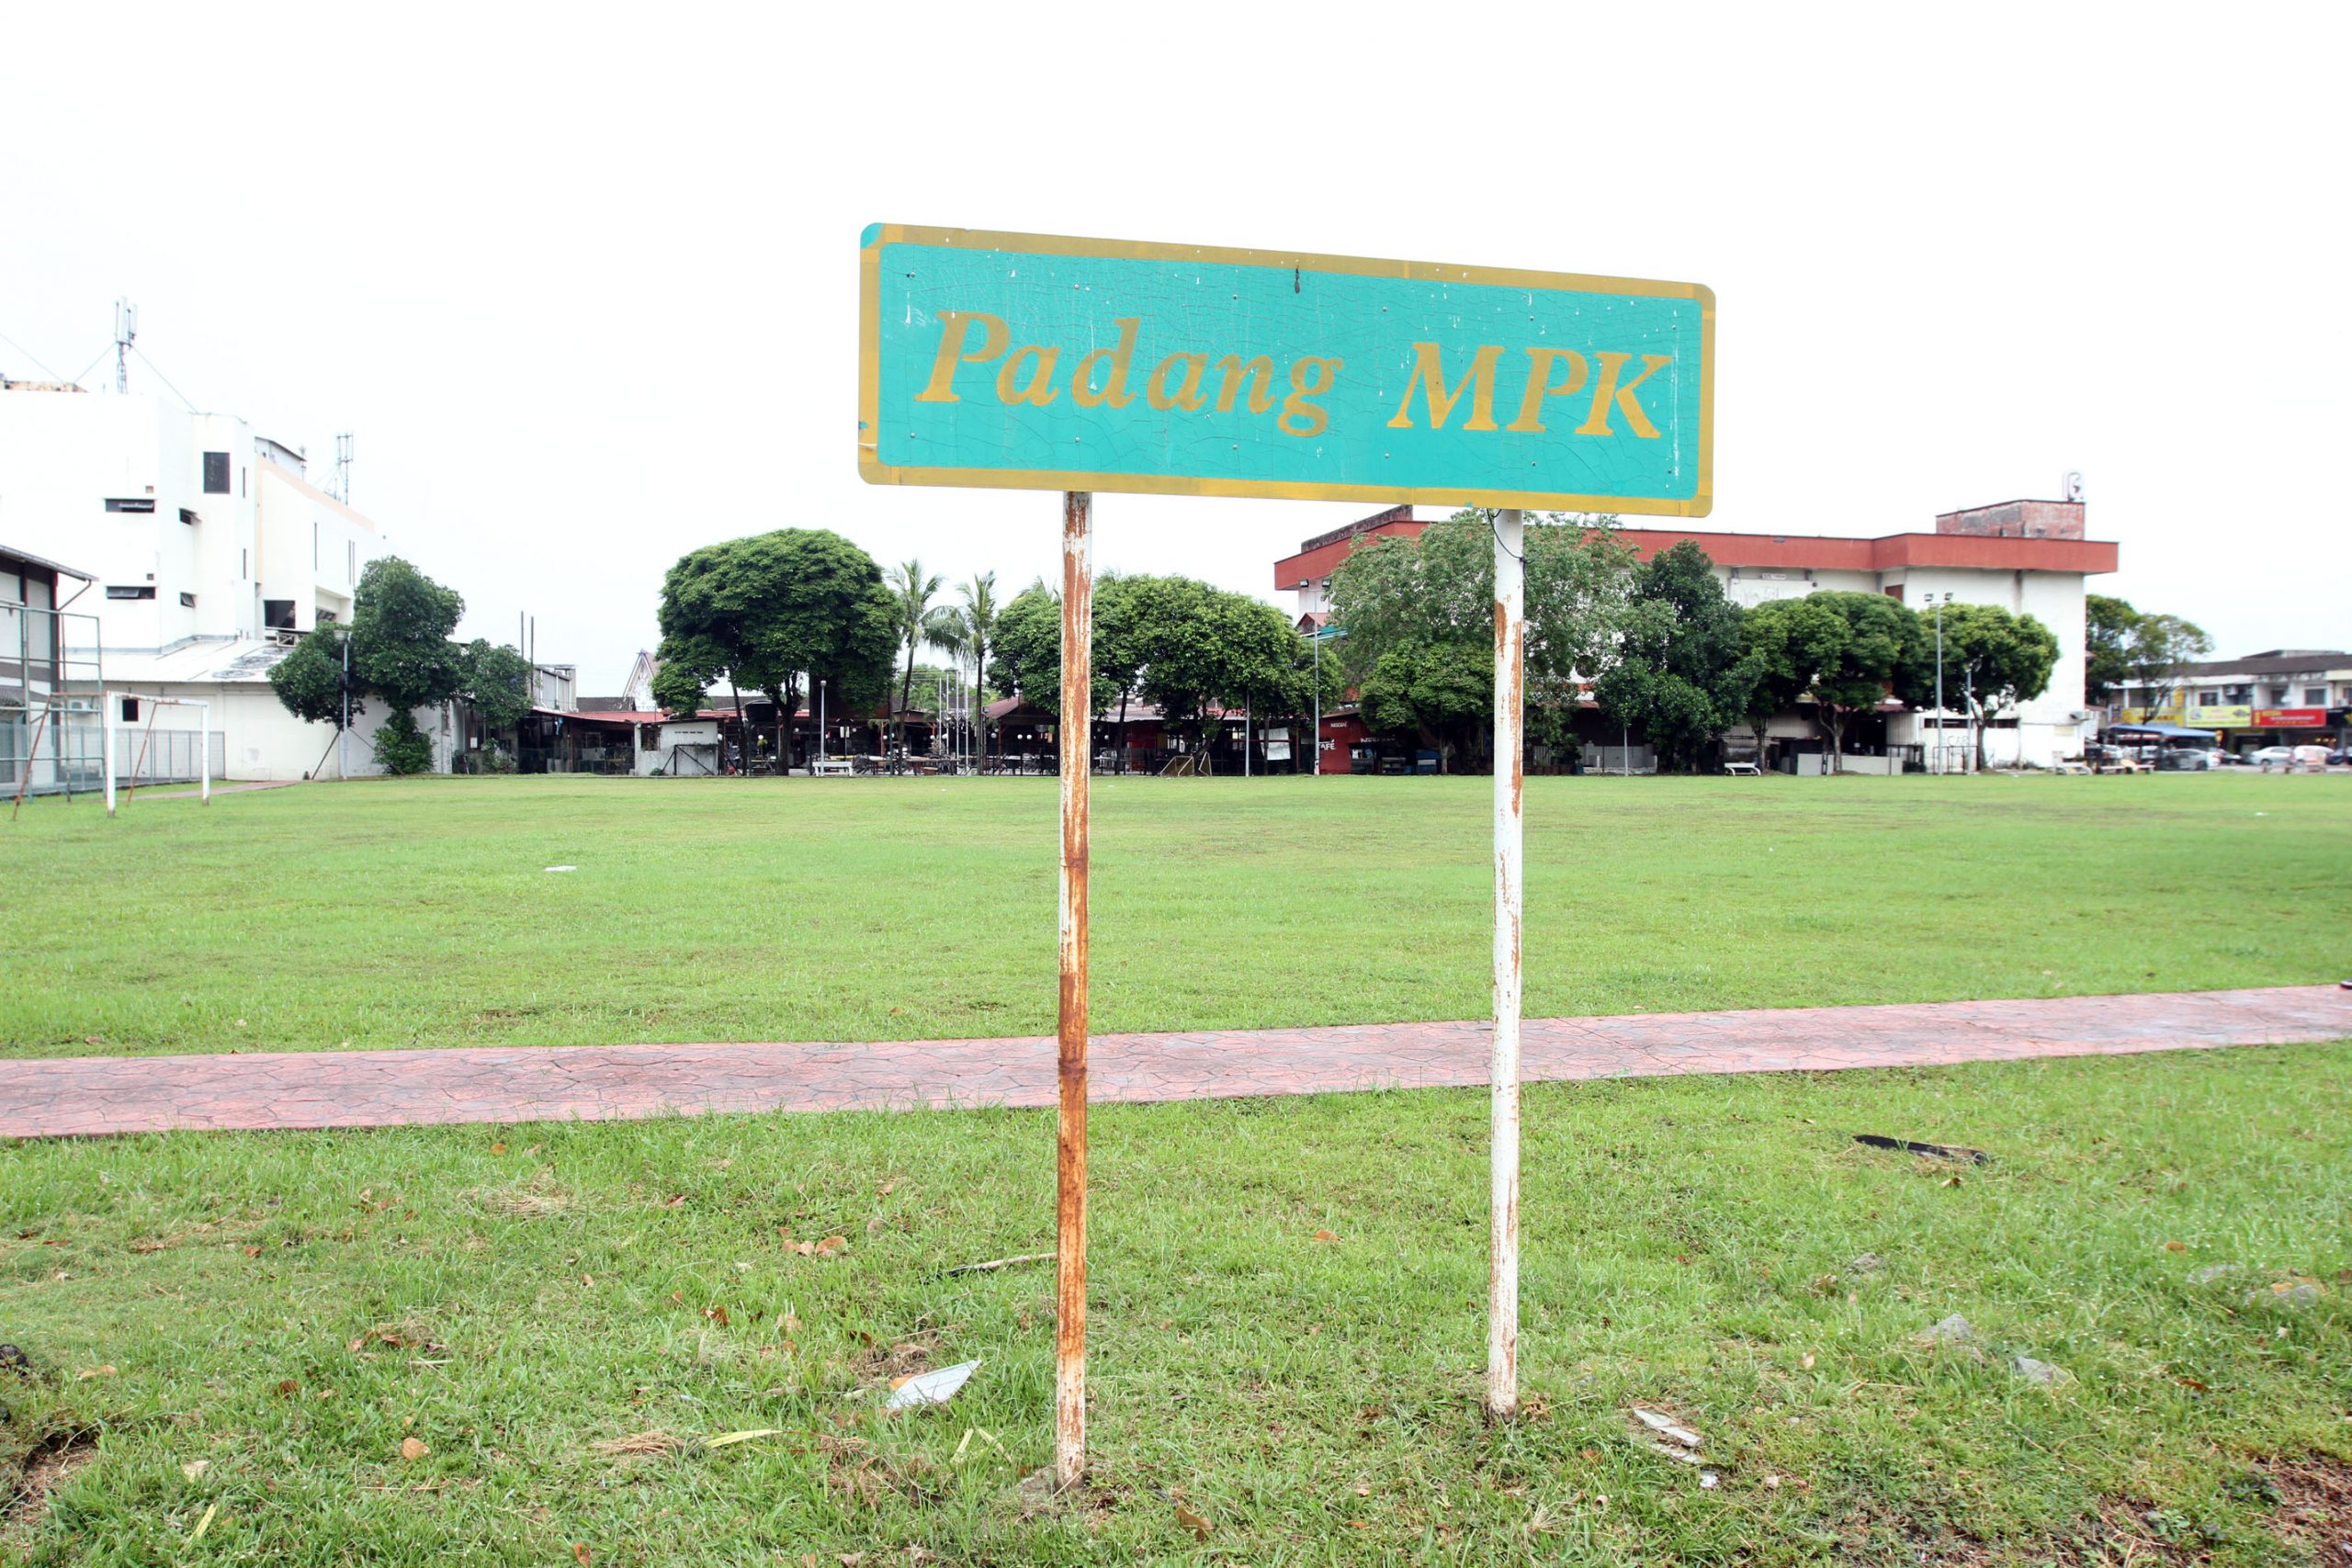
1893	552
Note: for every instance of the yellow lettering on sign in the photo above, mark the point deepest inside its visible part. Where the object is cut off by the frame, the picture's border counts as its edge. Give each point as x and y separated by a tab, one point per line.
1540	386
1311	419
1114	391
1635	420
1257	374
954	325
1186	397
1041	389
1428	375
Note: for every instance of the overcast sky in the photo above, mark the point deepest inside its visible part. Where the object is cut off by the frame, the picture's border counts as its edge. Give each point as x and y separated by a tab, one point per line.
585	287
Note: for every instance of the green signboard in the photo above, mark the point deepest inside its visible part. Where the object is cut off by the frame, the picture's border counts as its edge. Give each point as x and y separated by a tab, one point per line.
1036	361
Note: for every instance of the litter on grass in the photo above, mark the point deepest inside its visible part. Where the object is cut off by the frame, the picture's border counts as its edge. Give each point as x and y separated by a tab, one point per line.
930	1388
1925	1151
563	868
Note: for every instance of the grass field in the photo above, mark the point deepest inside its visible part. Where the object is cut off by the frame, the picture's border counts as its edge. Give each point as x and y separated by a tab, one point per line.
235	1333
398	914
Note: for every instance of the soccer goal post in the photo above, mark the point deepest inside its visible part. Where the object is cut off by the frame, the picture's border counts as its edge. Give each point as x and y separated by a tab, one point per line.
108	707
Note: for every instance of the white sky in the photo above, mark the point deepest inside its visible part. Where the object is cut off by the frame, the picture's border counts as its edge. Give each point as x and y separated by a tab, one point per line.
585	285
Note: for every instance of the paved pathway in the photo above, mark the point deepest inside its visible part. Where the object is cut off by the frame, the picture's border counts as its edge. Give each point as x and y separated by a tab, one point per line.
66	1096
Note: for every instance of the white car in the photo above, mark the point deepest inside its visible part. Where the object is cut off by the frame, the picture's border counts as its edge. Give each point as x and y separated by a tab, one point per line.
2270	757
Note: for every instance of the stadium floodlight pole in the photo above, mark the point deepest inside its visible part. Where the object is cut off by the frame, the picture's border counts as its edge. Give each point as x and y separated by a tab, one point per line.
1510	752
1070	1152
343	737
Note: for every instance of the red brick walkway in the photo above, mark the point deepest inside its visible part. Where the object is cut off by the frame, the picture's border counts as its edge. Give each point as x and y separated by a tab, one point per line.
69	1096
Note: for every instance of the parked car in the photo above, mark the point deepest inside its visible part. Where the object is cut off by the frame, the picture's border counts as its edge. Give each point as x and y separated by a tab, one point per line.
2227	759
2270	757
2183	760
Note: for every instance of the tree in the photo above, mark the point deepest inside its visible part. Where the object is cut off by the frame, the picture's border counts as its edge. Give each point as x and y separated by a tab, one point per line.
1441	691
496	683
308	680
1992	659
913	590
1677	670
768	610
967	630
1844	649
1174	641
1415	595
2155	653
1027	659
2106	637
401	623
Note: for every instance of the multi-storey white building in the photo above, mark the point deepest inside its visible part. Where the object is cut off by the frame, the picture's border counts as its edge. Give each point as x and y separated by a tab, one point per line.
211	550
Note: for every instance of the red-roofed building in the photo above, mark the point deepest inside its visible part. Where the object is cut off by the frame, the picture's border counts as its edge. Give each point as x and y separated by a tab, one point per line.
2030	556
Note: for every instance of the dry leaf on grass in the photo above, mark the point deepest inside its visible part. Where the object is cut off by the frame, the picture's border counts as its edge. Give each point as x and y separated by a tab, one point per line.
1192	1521
1326	1235
729	1439
87	1373
194	1468
832	1247
580	1554
414	1449
654	1443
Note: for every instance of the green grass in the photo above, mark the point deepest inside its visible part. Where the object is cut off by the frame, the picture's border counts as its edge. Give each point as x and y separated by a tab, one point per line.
421	913
1690	1246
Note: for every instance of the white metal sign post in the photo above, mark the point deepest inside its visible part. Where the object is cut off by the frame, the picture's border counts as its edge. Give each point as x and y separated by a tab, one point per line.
1510	750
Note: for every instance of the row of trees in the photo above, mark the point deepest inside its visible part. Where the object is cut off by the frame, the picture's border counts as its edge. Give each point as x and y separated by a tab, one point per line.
1657	641
398	650
767	613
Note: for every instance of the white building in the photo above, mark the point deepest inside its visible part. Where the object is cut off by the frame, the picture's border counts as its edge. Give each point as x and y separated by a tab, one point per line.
211	551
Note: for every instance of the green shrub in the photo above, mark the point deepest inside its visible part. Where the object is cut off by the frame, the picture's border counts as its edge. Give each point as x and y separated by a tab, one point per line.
400	747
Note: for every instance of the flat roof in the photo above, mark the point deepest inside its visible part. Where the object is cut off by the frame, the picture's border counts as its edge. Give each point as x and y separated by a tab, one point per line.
1819	552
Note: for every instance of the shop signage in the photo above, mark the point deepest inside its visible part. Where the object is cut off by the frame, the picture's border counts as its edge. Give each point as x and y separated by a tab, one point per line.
2290	718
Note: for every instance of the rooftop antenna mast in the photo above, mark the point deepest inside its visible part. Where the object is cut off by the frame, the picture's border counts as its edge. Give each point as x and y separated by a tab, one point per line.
126	333
343	467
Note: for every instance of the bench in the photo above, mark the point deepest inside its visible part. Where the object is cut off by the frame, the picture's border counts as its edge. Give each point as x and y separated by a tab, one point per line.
1748	769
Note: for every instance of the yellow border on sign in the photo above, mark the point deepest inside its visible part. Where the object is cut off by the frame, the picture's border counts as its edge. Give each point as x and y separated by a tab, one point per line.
869	362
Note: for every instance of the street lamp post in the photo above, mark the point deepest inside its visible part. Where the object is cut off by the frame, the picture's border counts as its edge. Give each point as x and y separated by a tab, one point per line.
1939	604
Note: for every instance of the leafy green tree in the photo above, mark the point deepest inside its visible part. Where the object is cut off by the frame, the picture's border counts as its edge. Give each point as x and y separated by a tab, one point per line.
1027	659
496	684
1846	651
766	610
2156	653
968	631
1992	662
399	747
1413	596
1440	587
2106	638
1677	668
1440	692
308	680
400	623
913	590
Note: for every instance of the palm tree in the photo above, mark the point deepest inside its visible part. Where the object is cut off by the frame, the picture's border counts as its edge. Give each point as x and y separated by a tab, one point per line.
914	590
976	629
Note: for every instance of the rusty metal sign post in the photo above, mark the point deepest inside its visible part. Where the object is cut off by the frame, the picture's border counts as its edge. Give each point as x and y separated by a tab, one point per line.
1044	361
1069	1141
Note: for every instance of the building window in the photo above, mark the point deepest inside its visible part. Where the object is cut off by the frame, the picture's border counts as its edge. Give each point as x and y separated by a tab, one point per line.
2208	699
187	601
278	614
2314	697
189	516
351	560
245	566
216	473
131	710
130	591
131	503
